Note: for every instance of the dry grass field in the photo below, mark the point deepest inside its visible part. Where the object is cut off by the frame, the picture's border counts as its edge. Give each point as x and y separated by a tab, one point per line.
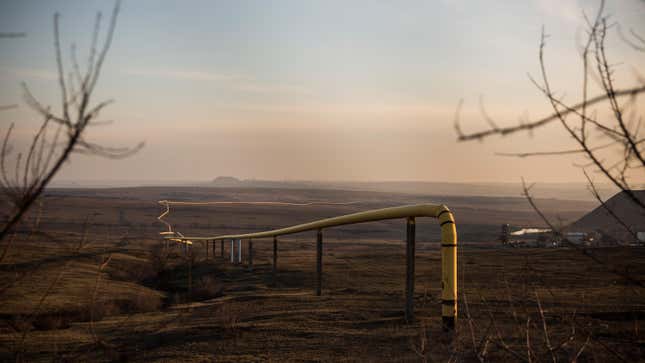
86	280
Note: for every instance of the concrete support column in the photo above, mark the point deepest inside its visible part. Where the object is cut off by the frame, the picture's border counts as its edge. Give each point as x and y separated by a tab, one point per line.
319	249
409	269
239	251
250	255
232	251
275	258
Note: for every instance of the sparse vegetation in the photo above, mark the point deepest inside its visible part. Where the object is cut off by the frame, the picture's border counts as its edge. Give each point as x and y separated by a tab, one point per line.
85	276
235	314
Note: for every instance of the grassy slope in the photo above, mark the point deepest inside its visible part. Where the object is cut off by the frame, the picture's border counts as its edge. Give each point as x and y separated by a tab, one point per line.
358	316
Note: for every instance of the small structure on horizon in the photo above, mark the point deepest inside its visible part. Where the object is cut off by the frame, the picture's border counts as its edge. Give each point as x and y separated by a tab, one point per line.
579	238
527	237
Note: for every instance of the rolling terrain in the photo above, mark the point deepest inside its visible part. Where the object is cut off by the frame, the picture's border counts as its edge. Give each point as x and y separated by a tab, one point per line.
88	280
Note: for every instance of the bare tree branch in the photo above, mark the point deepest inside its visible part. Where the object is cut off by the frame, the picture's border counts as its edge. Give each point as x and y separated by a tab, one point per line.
551	153
543	121
46	154
622	127
13	34
8	107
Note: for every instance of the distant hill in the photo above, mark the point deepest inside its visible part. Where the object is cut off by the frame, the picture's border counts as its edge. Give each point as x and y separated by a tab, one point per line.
542	190
562	191
601	221
226	181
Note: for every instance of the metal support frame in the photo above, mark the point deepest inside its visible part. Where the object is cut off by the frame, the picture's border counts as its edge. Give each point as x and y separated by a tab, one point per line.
239	251
319	249
275	259
409	269
232	251
448	249
250	255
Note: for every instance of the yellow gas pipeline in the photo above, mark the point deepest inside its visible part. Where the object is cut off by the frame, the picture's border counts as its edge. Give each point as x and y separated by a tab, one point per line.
448	242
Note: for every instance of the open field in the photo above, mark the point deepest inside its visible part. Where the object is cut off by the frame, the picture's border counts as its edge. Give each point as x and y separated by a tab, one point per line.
112	294
134	211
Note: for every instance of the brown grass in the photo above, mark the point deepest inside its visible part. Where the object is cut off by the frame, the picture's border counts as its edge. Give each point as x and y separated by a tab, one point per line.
516	297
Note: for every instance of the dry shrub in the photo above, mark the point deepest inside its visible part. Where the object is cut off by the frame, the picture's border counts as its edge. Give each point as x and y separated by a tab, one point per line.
527	334
229	314
64	319
18	323
207	288
52	321
101	310
421	347
132	271
159	258
177	298
141	303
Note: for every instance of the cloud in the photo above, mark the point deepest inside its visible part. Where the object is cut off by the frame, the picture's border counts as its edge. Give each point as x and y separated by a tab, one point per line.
233	81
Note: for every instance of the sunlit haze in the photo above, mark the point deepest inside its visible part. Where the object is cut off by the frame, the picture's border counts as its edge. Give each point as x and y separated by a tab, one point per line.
303	90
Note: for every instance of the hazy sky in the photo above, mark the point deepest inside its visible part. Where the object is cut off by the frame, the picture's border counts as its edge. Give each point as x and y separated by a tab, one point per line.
327	90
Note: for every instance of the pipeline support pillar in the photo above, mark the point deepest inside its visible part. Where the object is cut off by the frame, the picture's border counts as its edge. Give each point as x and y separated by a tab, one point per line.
409	269
250	255
319	249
